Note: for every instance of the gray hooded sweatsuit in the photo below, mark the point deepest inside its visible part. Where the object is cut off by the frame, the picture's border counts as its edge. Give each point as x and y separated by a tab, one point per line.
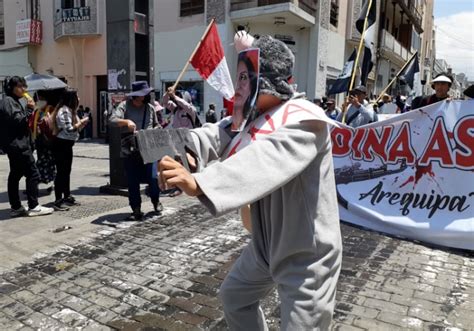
288	178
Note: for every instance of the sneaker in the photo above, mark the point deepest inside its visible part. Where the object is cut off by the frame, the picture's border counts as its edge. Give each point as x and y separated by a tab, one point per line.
18	212
39	211
59	206
71	201
158	206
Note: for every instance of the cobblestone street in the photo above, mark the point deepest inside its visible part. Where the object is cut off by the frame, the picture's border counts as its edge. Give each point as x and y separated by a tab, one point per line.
165	272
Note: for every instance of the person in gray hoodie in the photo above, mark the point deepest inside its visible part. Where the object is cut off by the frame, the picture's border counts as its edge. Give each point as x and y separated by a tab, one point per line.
281	165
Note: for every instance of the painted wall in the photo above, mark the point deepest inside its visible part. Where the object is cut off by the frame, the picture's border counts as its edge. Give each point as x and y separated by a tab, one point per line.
79	59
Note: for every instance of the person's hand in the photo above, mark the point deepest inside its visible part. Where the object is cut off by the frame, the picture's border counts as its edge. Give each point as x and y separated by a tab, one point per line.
83	122
354	101
30	103
173	174
170	91
131	126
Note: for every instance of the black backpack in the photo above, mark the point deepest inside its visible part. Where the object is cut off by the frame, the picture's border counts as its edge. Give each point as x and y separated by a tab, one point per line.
196	123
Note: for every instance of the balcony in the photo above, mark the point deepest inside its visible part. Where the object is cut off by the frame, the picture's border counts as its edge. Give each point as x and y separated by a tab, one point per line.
78	21
291	12
392	49
412	12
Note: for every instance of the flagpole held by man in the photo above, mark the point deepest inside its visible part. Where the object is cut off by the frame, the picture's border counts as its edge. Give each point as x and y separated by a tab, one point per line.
365	23
208	59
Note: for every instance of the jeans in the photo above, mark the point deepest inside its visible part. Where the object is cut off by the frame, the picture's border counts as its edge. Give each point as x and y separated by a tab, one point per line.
137	173
62	151
23	166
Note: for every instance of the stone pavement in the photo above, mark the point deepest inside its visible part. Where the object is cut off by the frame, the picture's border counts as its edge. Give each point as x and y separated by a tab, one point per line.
165	272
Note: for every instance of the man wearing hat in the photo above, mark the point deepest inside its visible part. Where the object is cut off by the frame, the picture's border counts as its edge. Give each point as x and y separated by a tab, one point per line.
332	111
136	113
441	84
359	112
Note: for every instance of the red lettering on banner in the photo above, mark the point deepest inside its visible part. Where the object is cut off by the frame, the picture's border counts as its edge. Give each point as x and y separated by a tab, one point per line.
438	147
464	136
375	144
340	141
401	147
357	144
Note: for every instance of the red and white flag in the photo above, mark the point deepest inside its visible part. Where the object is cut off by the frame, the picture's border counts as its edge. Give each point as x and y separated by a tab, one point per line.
209	61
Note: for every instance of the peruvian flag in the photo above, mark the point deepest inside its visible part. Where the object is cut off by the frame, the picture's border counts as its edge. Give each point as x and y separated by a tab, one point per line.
209	61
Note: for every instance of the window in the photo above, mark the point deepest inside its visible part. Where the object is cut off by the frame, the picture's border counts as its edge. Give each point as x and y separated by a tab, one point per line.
66	4
2	25
191	7
334	12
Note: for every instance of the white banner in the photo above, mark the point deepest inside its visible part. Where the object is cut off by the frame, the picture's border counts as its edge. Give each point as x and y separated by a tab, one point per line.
411	175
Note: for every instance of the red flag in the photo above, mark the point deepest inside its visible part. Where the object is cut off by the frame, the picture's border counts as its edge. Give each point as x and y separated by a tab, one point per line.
209	61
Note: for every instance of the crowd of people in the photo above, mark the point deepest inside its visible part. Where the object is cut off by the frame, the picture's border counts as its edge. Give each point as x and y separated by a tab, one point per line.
296	242
360	110
53	121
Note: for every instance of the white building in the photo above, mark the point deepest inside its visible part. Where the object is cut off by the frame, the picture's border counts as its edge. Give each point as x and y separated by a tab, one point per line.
314	30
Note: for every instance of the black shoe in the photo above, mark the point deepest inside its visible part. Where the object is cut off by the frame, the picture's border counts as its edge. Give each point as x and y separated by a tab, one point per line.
71	201
59	205
158	206
137	214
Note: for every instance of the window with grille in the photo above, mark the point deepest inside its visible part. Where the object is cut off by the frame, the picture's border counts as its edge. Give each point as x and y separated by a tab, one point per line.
334	12
191	7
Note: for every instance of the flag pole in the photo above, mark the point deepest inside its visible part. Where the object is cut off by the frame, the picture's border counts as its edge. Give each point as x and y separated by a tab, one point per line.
356	63
192	54
394	78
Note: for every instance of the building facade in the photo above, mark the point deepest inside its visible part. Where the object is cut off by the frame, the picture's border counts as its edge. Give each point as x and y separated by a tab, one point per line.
314	30
65	38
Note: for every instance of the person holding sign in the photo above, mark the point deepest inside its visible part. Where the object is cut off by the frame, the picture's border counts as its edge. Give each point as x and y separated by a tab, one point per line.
281	165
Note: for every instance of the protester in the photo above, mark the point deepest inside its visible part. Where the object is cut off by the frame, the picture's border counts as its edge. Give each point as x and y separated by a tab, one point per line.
67	126
331	110
159	114
42	133
296	243
80	114
183	112
223	113
318	102
385	106
15	141
88	129
441	84
211	115
359	111
137	113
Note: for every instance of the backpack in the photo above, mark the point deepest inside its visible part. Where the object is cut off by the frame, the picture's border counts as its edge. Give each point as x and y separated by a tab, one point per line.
196	123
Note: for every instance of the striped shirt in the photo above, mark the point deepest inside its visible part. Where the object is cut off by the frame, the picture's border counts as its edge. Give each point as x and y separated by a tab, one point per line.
65	126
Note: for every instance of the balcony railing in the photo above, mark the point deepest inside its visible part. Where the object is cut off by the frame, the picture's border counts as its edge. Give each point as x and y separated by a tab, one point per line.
390	43
308	6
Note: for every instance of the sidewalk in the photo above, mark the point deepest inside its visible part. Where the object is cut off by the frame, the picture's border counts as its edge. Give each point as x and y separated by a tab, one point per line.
165	272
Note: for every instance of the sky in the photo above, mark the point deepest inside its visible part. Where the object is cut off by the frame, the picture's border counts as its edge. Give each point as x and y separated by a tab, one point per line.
454	22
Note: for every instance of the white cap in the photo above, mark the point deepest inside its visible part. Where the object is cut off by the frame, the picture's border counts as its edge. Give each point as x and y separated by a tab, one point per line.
442	79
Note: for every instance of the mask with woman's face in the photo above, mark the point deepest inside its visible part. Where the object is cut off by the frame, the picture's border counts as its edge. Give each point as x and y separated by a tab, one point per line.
242	92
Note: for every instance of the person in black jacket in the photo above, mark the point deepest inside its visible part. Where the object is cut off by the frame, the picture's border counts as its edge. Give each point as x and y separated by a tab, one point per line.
17	144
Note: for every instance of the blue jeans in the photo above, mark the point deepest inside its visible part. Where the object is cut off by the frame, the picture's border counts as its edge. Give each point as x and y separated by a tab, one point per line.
138	173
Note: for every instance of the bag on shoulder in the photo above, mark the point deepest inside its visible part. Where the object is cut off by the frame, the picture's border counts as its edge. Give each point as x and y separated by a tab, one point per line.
196	123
